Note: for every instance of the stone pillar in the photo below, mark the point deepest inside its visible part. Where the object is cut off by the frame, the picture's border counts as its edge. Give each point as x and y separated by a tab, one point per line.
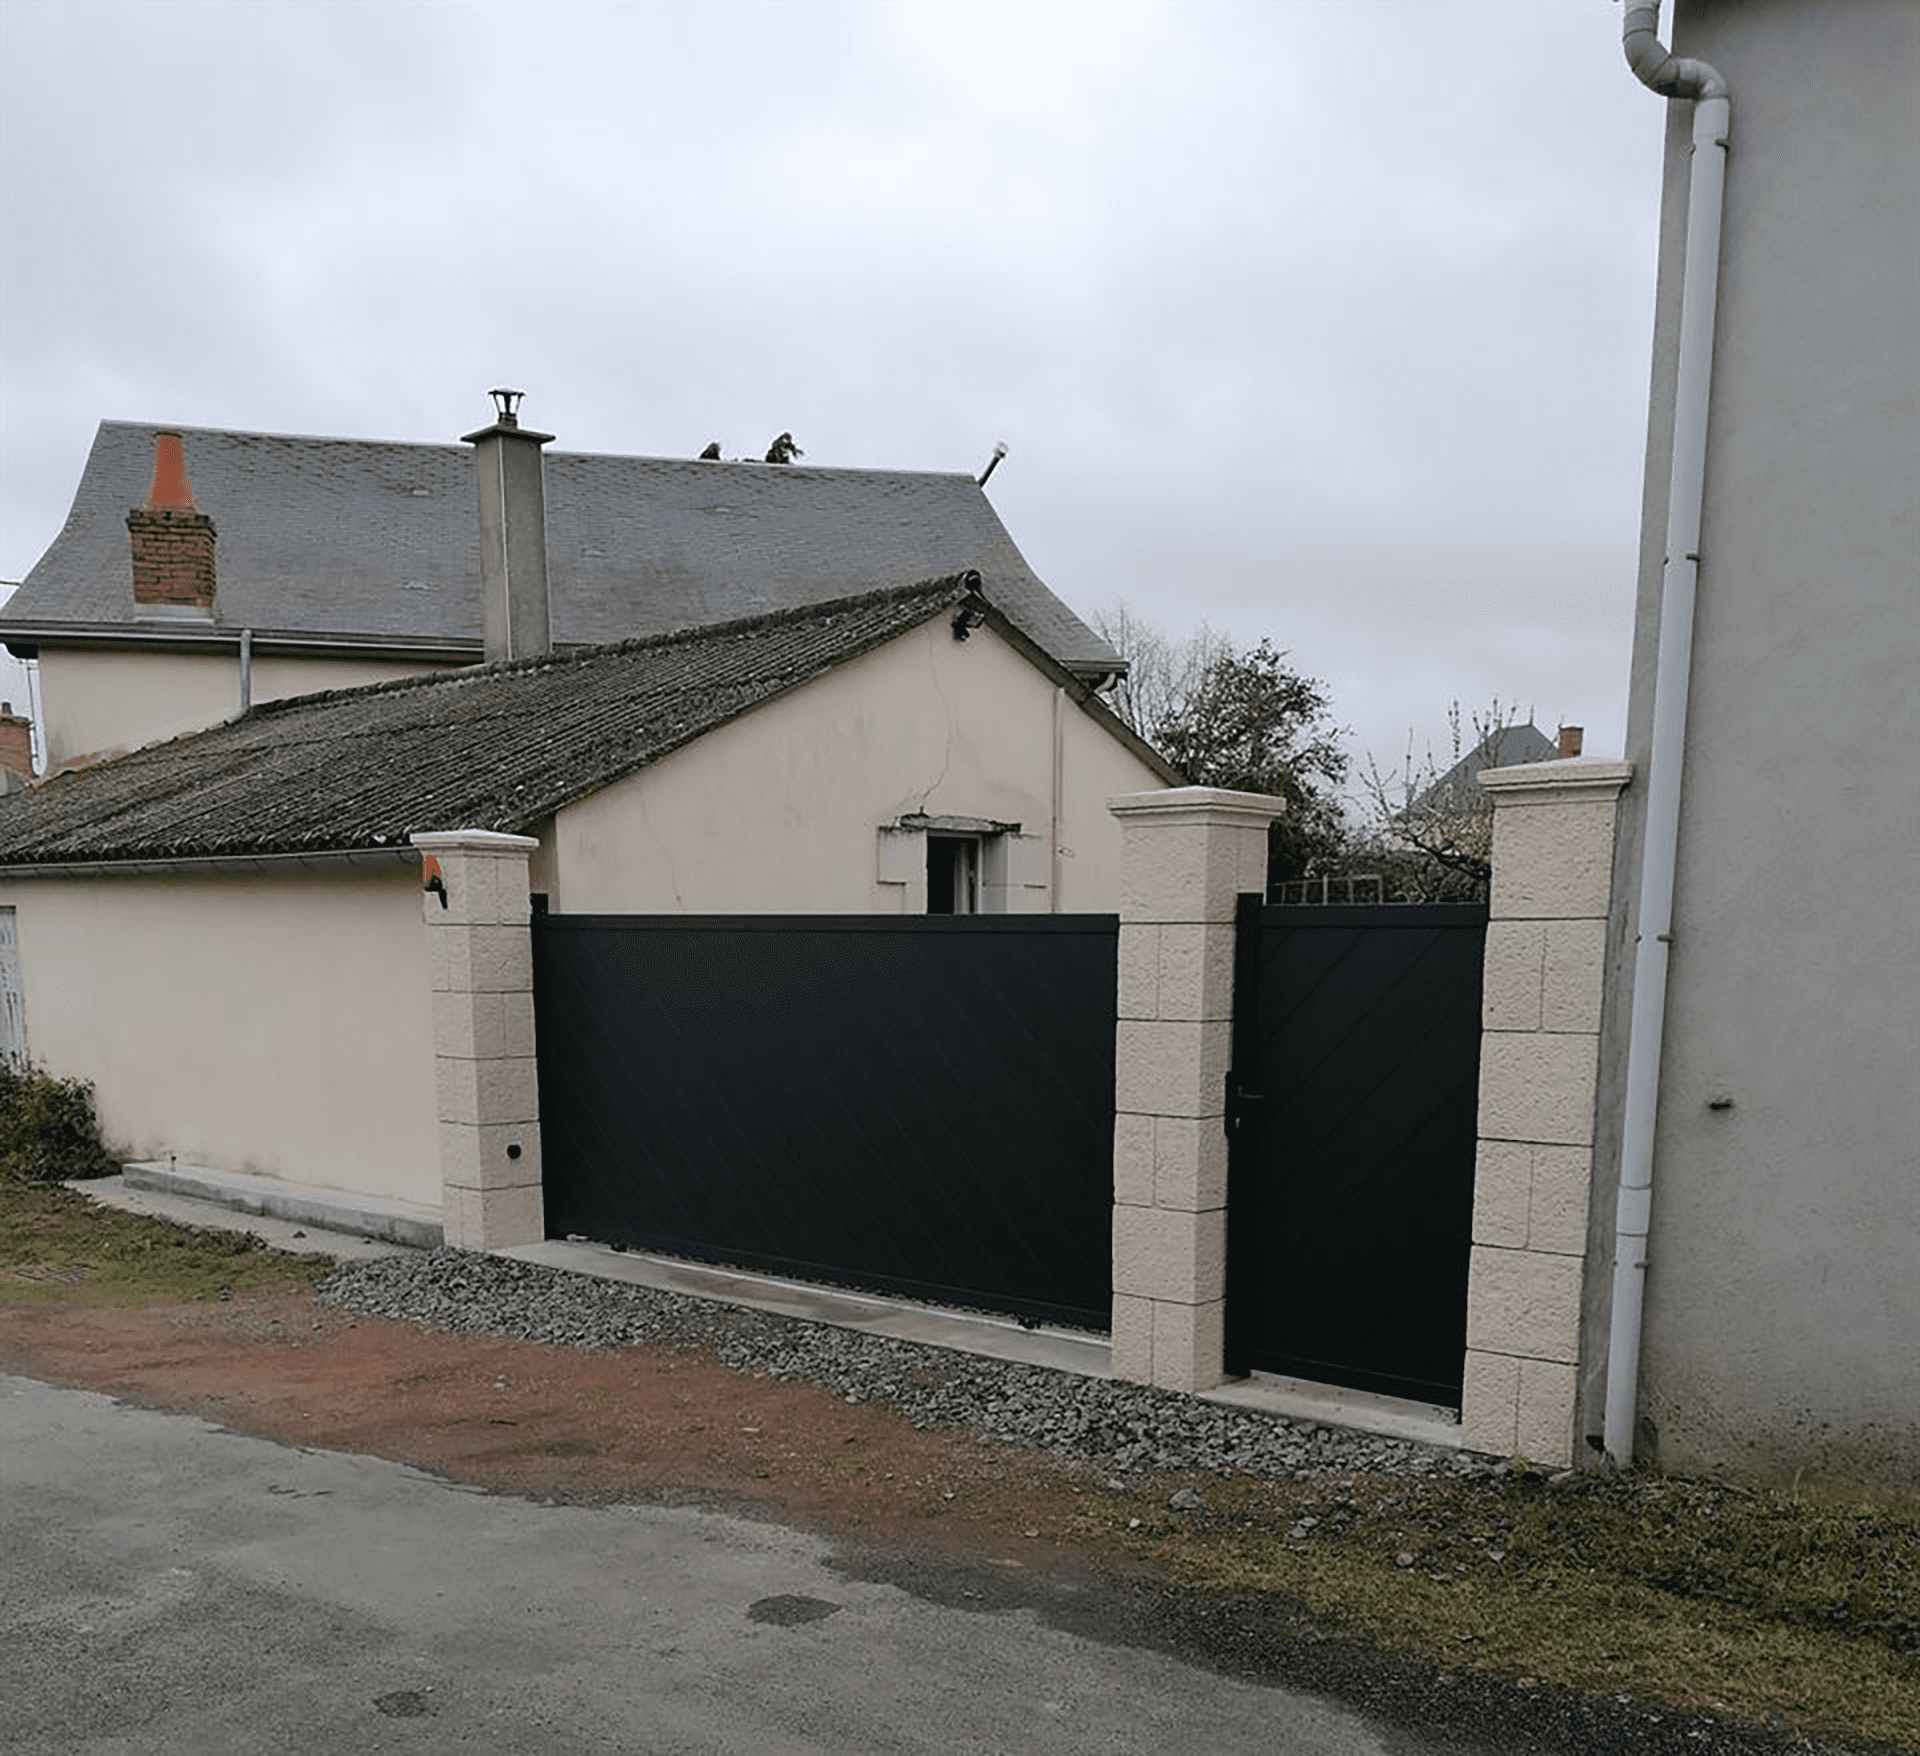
480	950
1186	856
1553	828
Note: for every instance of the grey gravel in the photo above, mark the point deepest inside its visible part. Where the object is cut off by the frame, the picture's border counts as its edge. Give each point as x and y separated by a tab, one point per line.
1117	1427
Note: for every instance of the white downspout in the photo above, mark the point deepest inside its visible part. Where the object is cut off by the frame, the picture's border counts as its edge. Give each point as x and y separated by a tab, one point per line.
1672	77
1055	827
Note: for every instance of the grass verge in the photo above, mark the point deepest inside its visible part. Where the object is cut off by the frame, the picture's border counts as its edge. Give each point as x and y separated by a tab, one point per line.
1698	1597
57	1245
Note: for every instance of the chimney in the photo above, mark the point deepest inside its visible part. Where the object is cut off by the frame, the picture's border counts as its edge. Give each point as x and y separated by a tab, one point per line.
1571	738
16	749
513	533
172	538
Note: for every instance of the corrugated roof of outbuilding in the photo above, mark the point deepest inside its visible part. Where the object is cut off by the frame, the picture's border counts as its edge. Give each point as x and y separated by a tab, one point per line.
377	540
499	747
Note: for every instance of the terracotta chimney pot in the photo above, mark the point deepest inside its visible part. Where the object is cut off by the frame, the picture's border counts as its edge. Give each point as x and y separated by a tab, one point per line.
170	489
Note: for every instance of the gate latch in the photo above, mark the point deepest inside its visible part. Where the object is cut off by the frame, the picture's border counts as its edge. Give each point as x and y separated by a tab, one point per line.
1243	1106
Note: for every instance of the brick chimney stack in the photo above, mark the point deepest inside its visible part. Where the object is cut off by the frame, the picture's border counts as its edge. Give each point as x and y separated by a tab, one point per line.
513	533
1571	738
172	538
16	749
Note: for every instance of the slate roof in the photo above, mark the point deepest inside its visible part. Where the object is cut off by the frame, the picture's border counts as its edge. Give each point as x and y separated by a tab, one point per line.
1505	747
374	541
499	747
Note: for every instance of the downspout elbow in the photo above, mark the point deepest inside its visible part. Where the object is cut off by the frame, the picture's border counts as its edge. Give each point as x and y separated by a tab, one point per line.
1656	66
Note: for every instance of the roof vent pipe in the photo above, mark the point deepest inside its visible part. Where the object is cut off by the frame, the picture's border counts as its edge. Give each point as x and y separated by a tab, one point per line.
511	476
1672	76
246	678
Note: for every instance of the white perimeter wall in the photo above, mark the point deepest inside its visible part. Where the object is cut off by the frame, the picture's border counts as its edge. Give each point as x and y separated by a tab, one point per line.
98	703
780	811
278	1024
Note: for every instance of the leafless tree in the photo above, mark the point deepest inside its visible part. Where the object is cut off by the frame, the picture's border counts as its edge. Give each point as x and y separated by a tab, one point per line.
1431	828
1163	674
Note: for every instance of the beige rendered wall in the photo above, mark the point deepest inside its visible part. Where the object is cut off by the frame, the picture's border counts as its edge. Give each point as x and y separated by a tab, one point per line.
99	703
780	811
277	1024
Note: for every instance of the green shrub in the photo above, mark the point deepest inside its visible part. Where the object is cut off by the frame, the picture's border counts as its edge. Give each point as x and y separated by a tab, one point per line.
48	1131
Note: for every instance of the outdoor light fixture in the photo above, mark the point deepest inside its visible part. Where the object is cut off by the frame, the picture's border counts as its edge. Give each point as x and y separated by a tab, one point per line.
972	611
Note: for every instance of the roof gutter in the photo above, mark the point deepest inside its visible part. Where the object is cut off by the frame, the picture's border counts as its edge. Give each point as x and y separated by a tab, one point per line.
25	639
1672	76
328	859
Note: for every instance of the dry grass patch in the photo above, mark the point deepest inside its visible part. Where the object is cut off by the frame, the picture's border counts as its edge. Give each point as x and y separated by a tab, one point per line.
1698	1596
55	1245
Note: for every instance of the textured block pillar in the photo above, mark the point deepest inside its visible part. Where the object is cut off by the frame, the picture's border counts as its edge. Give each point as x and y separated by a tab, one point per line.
480	950
1553	827
1186	856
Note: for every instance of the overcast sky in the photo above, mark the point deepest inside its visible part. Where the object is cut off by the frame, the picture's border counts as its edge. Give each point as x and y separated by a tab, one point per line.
1326	321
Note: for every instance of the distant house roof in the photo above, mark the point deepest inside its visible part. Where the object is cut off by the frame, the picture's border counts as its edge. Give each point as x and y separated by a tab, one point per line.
499	747
1504	747
371	543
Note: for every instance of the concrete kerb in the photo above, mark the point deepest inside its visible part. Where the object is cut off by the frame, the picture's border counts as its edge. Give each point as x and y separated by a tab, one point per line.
197	1195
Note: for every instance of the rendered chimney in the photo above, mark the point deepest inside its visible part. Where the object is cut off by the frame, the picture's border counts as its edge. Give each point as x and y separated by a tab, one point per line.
172	538
513	534
16	749
1571	738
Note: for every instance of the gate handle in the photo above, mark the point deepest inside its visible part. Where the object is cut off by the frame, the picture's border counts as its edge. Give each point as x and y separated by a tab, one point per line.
1242	1105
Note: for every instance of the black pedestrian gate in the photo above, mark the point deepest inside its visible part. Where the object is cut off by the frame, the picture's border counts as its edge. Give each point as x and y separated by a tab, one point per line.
1352	1118
911	1105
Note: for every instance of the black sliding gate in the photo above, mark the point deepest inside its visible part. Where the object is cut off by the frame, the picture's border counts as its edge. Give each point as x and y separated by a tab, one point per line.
911	1105
1352	1119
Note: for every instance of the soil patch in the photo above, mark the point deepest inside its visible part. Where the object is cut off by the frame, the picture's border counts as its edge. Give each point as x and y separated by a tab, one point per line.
637	1423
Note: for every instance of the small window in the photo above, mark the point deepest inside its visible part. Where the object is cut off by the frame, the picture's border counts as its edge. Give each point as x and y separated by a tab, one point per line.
953	875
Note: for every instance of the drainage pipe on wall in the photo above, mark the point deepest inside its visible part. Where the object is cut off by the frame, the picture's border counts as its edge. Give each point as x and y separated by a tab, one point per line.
1674	77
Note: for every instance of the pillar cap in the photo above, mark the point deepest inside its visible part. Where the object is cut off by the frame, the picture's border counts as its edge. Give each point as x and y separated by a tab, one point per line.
1198	805
1542	783
472	841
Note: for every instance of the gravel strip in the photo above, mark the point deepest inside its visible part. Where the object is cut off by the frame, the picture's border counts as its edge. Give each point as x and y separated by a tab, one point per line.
1101	1422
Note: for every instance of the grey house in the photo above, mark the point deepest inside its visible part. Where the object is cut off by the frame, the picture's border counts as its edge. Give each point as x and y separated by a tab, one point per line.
329	562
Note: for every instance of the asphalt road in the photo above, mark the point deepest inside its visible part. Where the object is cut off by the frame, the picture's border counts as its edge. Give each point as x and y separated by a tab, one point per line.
168	1586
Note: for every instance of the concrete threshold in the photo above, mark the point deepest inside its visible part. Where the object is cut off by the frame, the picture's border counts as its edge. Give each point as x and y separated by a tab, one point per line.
298	1204
1391	1417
